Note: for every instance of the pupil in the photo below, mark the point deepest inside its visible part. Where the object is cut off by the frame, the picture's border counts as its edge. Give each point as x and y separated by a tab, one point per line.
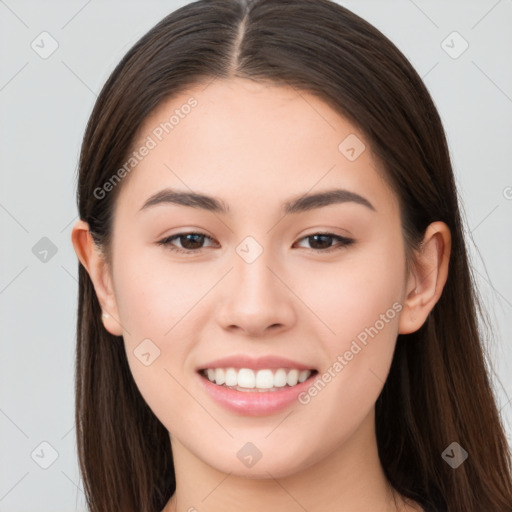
326	238
195	243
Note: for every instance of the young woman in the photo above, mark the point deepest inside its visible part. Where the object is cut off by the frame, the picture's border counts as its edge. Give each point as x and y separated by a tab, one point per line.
275	306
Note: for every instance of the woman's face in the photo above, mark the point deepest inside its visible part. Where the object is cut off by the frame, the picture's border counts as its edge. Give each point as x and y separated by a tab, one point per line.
254	284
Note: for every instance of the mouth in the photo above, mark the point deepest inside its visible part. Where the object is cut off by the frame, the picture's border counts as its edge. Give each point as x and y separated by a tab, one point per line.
261	380
255	386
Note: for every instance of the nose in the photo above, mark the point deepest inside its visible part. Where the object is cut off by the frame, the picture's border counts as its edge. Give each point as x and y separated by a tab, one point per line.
257	301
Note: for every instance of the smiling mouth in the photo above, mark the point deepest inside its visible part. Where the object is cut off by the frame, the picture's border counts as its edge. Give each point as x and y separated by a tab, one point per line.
263	380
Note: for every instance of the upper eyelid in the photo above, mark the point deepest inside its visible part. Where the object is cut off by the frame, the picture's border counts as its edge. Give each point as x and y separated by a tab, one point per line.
319	232
183	234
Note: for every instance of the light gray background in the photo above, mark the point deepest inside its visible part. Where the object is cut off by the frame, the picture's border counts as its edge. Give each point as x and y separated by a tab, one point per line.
44	106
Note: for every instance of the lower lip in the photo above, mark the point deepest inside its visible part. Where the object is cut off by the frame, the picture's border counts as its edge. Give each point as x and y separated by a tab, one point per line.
255	403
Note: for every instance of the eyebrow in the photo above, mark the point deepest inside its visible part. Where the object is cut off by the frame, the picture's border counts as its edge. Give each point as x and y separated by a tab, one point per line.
296	205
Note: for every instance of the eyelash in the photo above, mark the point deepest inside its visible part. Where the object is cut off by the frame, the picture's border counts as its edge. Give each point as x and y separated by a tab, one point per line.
166	242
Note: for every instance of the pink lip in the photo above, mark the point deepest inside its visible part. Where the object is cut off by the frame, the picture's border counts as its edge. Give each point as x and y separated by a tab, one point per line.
258	363
255	403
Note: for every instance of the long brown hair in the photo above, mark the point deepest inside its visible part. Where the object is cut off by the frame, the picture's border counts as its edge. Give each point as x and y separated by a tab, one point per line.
438	390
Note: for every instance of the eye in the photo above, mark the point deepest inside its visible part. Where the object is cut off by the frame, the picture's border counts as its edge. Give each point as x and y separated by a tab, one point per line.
192	242
321	242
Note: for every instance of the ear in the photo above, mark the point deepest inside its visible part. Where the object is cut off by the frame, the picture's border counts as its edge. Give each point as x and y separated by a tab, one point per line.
427	278
94	262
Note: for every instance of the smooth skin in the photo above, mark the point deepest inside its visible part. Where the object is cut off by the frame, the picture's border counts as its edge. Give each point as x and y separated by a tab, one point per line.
256	146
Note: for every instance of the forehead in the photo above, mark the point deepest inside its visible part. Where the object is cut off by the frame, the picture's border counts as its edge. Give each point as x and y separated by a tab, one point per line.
234	138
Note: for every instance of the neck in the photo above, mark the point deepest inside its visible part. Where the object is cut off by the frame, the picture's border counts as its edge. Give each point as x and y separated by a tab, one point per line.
348	479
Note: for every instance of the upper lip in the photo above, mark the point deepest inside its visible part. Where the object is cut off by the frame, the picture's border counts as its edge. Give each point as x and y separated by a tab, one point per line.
255	363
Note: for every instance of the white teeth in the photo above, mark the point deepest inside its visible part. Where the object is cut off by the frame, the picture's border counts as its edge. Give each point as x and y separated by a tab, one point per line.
231	377
293	377
220	376
246	378
280	378
303	375
264	379
261	380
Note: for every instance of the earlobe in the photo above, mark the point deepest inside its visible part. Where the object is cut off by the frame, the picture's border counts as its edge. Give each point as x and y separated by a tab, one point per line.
91	258
427	277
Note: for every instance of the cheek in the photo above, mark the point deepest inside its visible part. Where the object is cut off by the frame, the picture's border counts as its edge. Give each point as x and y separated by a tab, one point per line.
355	293
362	306
154	294
155	300
357	359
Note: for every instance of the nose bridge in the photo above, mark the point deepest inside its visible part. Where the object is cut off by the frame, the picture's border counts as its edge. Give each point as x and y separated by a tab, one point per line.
255	286
253	278
257	299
